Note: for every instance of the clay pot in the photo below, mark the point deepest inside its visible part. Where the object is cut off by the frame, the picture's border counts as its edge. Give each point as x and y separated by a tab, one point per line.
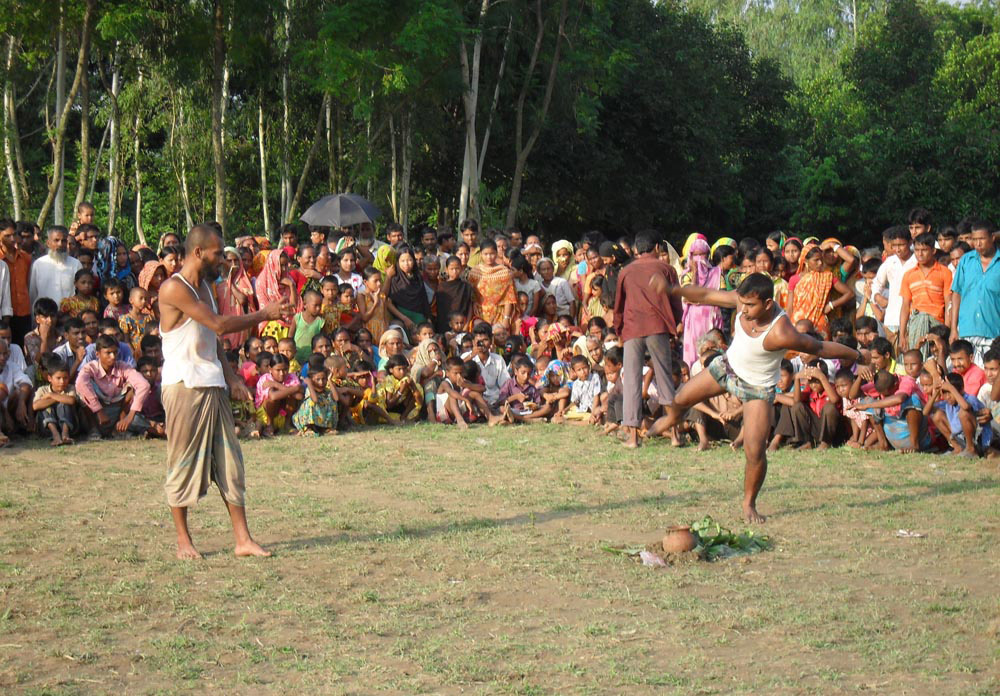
679	539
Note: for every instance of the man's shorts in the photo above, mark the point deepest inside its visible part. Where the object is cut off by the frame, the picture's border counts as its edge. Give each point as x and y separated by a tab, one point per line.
741	389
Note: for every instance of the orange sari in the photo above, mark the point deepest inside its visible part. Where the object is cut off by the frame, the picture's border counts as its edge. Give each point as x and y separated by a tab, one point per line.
810	296
493	294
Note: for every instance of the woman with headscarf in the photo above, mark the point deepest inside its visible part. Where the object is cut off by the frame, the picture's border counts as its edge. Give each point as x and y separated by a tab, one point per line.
407	291
562	257
275	285
494	298
112	262
425	370
699	319
390	343
811	298
385	260
236	296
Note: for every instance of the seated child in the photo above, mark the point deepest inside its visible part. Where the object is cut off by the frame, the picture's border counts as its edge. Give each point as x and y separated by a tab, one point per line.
954	414
397	393
134	324
857	417
114	293
552	383
520	401
287	347
74	348
456	327
717	418
84	298
585	388
113	392
895	409
785	397
153	408
455	401
248	369
317	415
989	393
45	336
816	419
55	403
307	324
610	404
278	396
357	401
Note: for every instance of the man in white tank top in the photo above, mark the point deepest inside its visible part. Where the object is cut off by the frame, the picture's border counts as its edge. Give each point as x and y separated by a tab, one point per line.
202	446
749	370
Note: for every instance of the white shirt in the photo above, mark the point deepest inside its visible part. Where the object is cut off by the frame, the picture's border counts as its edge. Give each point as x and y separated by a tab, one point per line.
986	396
494	374
560	289
6	309
13	374
355	280
889	278
52	279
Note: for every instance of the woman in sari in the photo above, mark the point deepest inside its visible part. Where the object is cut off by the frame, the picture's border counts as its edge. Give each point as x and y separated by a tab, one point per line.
306	276
390	343
112	262
699	319
275	285
810	299
562	257
407	291
236	296
494	298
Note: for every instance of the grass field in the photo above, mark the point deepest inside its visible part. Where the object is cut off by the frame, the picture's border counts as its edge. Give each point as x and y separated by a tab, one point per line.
422	560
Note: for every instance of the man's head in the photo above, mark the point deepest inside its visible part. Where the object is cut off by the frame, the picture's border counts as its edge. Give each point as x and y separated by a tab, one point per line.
317	235
991	365
482	338
89	236
946	238
897	240
290	236
469	229
881	353
756	296
151	347
982	238
923	248
393	233
107	351
57	241
8	235
72	330
961	352
204	250
919	222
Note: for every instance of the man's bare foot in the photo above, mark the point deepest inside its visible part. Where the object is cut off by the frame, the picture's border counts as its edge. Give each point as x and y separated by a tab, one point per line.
251	548
751	515
805	446
558	419
187	552
56	441
631	438
823	446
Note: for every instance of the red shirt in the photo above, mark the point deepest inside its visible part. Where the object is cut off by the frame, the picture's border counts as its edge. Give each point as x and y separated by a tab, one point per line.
907	387
639	309
974	379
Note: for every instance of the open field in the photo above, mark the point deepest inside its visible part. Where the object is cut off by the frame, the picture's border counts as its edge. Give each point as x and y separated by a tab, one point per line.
421	560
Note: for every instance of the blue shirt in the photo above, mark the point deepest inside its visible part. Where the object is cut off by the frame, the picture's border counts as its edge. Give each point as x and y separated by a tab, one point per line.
124	354
952	411
979	312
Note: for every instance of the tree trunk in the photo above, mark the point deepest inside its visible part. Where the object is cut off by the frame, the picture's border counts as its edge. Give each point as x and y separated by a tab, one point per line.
140	233
60	135
494	103
394	174
218	156
331	163
58	170
9	131
185	195
97	162
224	101
261	134
286	171
524	150
113	149
293	208
84	171
404	195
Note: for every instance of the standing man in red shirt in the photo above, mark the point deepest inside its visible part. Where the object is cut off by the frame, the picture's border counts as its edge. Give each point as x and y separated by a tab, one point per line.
19	265
645	318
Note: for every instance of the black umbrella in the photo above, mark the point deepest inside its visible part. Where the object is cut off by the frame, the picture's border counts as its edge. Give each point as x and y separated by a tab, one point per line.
340	210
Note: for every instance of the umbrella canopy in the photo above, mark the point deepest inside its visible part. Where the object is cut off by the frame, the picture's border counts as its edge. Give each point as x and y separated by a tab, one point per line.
340	210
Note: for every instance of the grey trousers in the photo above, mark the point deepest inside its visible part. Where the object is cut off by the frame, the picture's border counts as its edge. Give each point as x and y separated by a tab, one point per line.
658	347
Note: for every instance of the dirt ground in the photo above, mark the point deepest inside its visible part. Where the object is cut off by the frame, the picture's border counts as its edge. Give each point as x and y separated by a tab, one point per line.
423	560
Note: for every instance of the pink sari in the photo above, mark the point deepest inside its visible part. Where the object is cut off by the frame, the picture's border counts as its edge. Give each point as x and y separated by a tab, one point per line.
699	319
229	306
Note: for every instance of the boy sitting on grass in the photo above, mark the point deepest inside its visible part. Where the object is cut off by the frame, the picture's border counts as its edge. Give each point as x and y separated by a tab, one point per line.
583	391
520	401
55	403
15	395
456	402
895	408
113	392
954	413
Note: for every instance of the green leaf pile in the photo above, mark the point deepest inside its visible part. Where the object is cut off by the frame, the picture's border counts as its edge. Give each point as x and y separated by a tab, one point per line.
715	541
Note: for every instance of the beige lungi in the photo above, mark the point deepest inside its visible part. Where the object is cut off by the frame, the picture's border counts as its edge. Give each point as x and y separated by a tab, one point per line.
201	445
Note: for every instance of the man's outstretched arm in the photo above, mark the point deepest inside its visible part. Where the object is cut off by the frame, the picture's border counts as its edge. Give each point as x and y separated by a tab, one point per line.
695	294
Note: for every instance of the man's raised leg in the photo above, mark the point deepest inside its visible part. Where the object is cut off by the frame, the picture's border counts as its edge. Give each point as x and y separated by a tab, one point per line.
699	388
756	426
185	547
